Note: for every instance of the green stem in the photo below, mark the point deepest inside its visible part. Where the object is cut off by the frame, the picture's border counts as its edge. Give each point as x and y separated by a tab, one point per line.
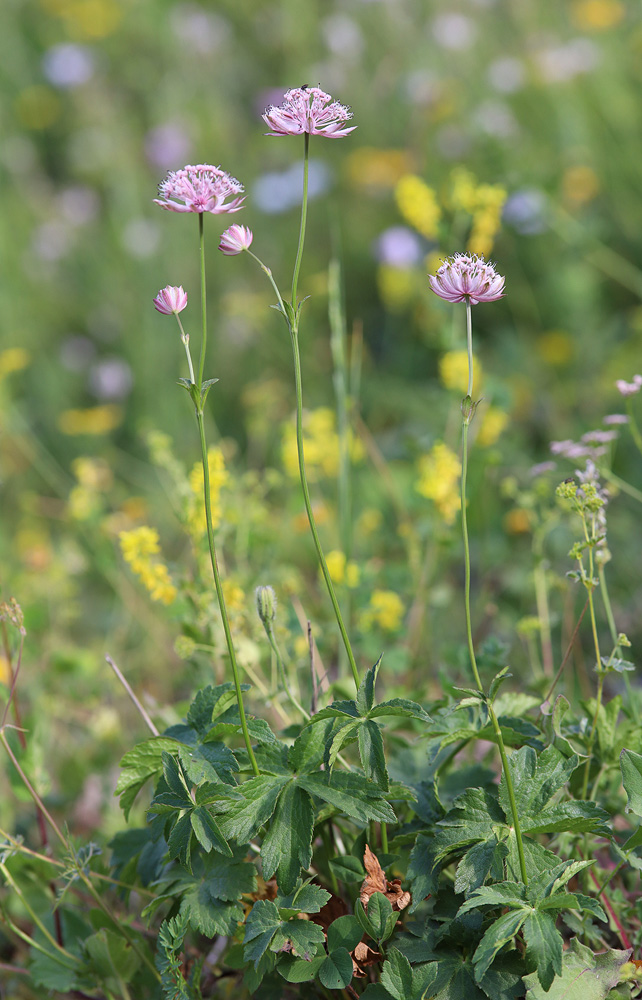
384	837
304	216
185	339
219	592
34	795
606	600
201	362
308	505
468	412
282	672
621	484
34	916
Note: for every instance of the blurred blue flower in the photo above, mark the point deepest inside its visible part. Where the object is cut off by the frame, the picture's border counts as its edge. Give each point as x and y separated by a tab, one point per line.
399	247
525	211
67	65
277	192
167	145
110	378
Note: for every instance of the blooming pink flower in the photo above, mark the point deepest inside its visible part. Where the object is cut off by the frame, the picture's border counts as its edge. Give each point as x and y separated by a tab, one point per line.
235	240
467	278
171	300
616	418
308	109
629	388
200	189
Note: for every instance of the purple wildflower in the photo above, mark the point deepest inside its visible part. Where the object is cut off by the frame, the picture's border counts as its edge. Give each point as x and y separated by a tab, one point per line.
171	300
311	110
542	468
200	189
235	240
599	437
467	278
629	388
616	418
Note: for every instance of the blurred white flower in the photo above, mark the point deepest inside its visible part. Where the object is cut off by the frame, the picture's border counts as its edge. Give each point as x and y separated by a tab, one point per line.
141	237
454	31
343	36
200	30
167	145
51	240
68	65
525	211
110	378
506	75
78	204
277	192
422	86
496	118
561	63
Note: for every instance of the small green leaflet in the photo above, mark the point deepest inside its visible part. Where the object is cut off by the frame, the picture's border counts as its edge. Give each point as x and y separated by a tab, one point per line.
264	929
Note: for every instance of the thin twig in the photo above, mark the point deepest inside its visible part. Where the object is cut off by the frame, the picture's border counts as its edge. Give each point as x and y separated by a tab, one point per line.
566	656
123	680
315	679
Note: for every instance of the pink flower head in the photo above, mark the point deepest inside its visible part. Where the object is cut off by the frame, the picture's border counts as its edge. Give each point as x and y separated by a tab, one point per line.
200	189
467	278
308	109
171	300
235	240
629	388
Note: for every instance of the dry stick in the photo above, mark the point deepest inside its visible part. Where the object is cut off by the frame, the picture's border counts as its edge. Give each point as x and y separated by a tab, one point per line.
123	680
566	655
322	673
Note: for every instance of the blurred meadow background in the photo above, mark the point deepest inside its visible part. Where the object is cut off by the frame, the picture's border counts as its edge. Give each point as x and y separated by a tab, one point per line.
510	128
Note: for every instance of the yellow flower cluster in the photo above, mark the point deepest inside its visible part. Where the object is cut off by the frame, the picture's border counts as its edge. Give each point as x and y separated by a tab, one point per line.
484	202
86	20
14	359
598	15
196	522
418	205
93	478
95	420
439	473
139	547
453	371
493	423
386	610
341	570
320	445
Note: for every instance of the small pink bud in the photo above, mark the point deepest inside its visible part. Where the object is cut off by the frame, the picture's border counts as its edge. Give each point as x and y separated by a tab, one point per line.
235	240
171	300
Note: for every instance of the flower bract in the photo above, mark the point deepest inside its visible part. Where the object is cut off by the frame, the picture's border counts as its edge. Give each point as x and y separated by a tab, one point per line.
202	188
467	278
309	109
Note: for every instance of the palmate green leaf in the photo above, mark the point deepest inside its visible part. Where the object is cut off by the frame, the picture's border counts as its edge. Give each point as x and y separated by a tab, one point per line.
343	735
208	832
335	973
570	817
309	747
399	707
543	946
631	767
287	846
264	929
308	898
482	860
502	894
472	818
351	793
536	779
212	762
497	936
572	901
396	975
209	704
299	936
584	976
297	970
260	796
454	979
52	971
140	764
348	869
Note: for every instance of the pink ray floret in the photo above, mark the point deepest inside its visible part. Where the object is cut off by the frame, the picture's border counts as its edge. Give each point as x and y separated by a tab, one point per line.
309	109
467	278
171	300
201	188
629	388
235	240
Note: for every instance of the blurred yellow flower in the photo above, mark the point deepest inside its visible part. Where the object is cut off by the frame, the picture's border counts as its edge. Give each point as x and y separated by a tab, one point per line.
555	347
517	521
492	424
94	473
369	521
95	420
418	205
234	596
453	372
439	473
87	20
377	168
463	190
321	516
386	610
138	546
341	570
37	107
5	671
397	286
83	503
597	15
580	184
219	476
320	445
14	359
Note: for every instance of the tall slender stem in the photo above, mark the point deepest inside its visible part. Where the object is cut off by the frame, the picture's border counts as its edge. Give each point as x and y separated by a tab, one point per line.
201	360
304	216
468	410
308	505
219	592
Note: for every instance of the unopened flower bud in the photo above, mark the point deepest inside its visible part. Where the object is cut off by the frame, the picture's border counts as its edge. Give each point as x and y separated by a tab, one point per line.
266	604
171	299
